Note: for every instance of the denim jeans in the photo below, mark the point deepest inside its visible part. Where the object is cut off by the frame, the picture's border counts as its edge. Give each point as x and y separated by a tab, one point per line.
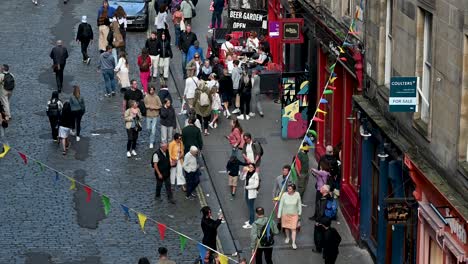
109	80
177	34
152	124
250	205
184	63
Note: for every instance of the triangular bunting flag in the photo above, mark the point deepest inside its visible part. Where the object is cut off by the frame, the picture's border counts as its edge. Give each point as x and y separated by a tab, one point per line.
202	249
6	148
88	191
293	174
323	101
106	203
142	220
332	68
162	230
316	119
341	49
354	33
321	111
183	242
41	166
312	132
72	184
347	44
23	157
326	92
126	211
223	259
343	59
298	163
334	74
333	79
331	87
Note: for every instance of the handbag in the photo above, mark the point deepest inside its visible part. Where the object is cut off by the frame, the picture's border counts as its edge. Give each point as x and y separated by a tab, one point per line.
182	25
56	67
194	11
298	227
211	6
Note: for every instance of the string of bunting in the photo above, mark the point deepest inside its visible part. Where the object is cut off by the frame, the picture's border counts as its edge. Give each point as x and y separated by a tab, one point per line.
107	201
308	137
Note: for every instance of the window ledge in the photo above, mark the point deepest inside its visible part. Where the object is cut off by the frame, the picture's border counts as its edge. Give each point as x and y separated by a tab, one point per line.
422	128
463	168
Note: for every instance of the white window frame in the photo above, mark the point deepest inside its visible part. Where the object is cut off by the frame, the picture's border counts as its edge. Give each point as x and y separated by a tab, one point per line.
426	78
463	141
388	43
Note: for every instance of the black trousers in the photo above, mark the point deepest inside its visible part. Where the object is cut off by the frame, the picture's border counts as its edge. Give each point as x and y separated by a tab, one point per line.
204	120
77	115
84	49
132	137
192	179
268	254
59	77
167	184
54	126
318	237
245	103
330	258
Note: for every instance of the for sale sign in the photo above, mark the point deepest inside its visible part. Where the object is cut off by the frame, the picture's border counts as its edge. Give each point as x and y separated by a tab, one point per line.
403	94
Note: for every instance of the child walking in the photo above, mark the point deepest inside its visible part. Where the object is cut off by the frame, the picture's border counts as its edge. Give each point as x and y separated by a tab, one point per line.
215	106
232	169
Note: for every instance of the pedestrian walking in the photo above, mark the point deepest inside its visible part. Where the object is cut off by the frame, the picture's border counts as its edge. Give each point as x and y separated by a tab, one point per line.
236	137
290	211
54	110
215	107
59	55
133	93
236	77
252	183
331	242
177	20
164	93
303	173
202	105
321	177
107	65
187	9
160	20
151	45
218	6
331	161
143	261
226	91
193	50
132	119
191	84
105	12
256	95
144	62
165	55
262	237
280	181
187	39
77	106
85	37
7	85
205	71
116	40
3	123
232	168
176	152
194	65
252	151
168	121
245	90
163	258
153	106
191	135
210	227
122	71
65	125
162	168
192	171
121	18
212	81
321	212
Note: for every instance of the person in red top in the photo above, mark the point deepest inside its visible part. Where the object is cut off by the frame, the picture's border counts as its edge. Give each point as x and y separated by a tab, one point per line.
144	62
177	17
235	137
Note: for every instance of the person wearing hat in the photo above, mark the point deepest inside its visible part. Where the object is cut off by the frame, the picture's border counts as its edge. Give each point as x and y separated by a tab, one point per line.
331	241
193	49
303	173
84	36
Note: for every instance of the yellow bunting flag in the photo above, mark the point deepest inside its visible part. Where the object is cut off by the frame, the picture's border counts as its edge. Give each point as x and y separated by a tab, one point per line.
223	259
333	79
341	49
142	219
321	111
6	148
73	184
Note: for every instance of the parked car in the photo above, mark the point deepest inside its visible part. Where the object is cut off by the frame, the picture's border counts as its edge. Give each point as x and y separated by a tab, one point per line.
137	12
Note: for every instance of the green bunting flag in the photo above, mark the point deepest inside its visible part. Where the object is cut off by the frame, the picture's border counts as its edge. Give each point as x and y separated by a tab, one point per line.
41	166
106	203
328	92
183	242
293	174
332	68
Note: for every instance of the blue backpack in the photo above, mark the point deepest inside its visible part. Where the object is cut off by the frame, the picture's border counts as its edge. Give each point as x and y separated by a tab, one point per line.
331	209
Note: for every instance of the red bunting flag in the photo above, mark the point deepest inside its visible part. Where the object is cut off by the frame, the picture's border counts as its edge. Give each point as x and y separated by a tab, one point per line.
298	164
162	230
88	191
23	157
316	119
343	59
331	87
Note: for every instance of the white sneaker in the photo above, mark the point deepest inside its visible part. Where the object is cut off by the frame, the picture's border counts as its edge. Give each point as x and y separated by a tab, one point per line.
215	125
294	246
236	111
247	117
88	60
286	241
247	226
129	155
134	153
77	138
246	222
151	146
304	205
251	114
72	132
211	125
241	117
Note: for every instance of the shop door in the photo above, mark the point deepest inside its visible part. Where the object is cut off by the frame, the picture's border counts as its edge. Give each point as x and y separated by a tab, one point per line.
436	255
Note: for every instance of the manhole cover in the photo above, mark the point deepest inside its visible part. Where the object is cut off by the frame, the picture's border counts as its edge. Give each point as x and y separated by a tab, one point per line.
261	140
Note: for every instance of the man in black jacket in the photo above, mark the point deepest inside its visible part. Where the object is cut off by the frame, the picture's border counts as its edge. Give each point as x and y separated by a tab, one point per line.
319	216
165	54
210	227
191	136
162	171
84	36
186	40
59	55
152	45
331	242
335	172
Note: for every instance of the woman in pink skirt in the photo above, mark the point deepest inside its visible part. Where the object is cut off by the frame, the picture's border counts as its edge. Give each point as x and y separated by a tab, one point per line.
144	62
290	211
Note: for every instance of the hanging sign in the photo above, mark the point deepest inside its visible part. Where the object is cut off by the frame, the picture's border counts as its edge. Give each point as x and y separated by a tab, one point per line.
398	210
240	19
274	29
403	94
291	30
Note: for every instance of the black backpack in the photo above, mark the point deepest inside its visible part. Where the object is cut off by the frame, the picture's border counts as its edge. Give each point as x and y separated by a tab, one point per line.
8	82
267	240
53	109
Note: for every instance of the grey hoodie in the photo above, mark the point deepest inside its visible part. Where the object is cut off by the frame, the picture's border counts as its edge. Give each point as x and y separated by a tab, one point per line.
106	61
257	227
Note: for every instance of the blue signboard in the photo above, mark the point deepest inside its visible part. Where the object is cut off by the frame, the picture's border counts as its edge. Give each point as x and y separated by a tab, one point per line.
403	94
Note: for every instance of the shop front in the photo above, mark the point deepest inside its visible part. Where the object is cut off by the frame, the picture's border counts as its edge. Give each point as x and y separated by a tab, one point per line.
442	216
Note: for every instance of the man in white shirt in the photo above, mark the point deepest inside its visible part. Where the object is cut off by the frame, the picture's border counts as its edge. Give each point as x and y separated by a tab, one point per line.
227	46
191	84
252	151
192	173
